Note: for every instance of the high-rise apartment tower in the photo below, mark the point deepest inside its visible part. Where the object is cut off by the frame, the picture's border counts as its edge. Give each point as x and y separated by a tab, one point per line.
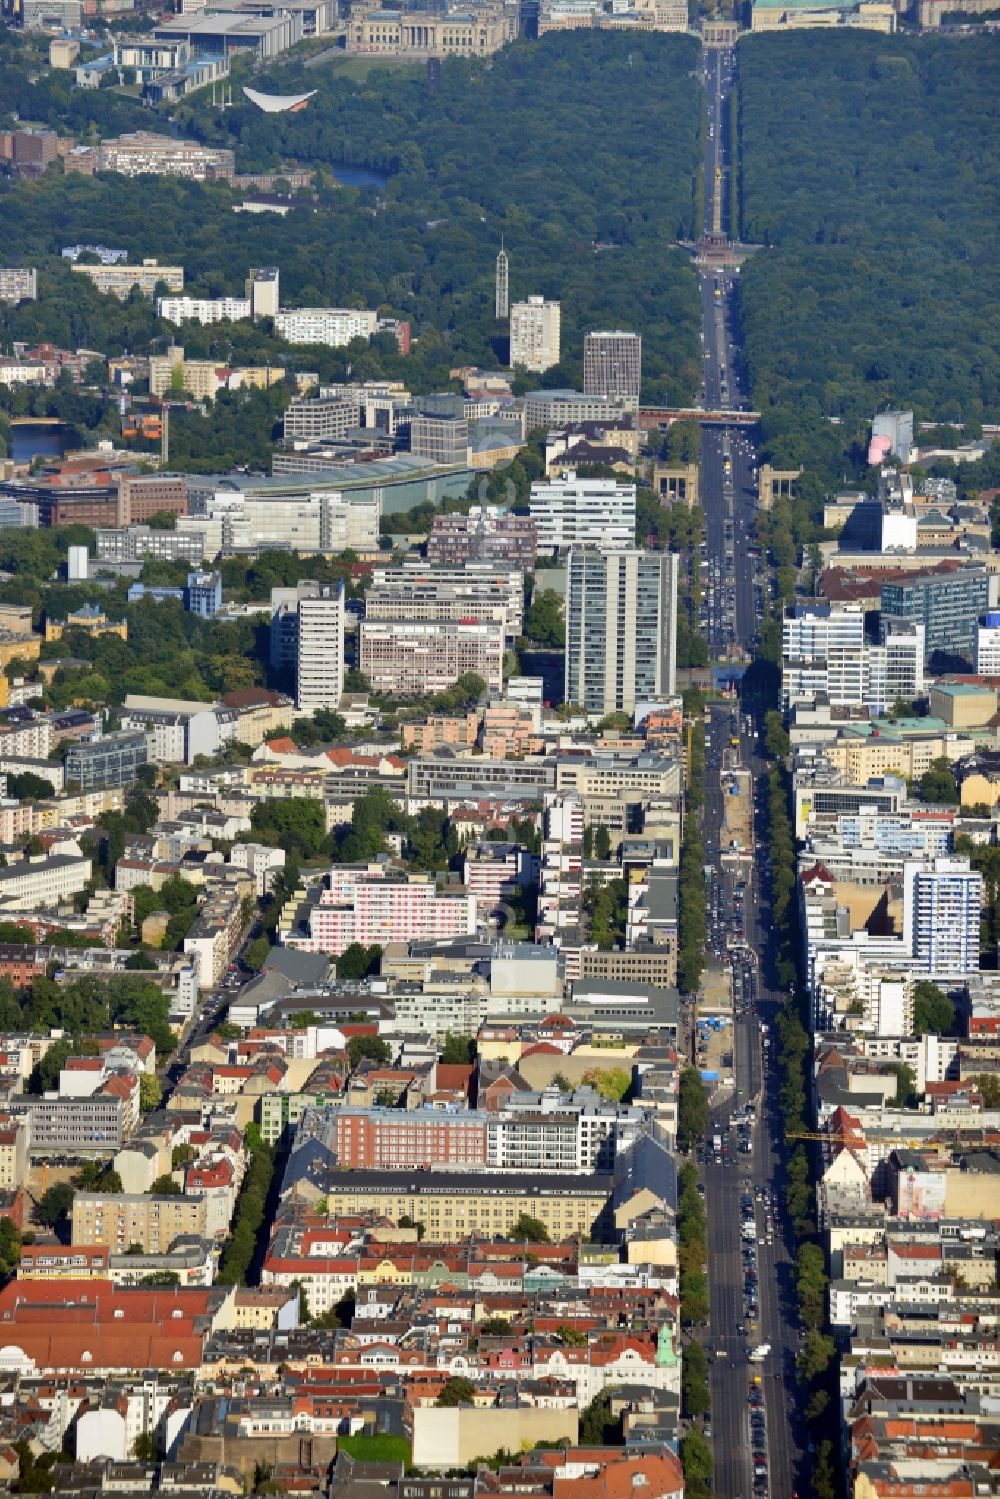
621	628
320	653
534	334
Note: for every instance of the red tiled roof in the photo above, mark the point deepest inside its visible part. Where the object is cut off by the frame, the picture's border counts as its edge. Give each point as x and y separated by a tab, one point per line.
455	1075
622	1477
57	1346
120	1086
866	582
950	1087
32	1252
217	1174
143	1046
83	1324
349	757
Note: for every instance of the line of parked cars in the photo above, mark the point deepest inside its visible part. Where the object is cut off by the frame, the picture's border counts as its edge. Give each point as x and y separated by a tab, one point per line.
758	1440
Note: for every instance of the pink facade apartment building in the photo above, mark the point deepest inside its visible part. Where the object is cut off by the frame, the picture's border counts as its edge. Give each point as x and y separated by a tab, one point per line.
494	872
370	906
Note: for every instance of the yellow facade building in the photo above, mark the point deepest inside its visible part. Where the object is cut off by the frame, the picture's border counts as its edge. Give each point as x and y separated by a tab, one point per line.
119	1220
16	647
860	758
451	1206
963	705
204	378
91	619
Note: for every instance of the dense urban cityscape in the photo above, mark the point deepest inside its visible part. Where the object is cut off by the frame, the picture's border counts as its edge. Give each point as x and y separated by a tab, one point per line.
500	749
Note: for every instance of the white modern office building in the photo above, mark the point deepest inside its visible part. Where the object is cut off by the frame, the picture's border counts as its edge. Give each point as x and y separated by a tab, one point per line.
203	310
332	326
987	652
413	590
321	521
823	653
571	511
894	670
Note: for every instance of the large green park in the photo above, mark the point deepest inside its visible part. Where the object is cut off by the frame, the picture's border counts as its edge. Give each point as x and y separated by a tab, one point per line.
580	152
869	172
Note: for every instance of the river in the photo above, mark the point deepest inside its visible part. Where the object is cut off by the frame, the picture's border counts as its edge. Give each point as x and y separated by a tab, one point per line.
29	442
353	176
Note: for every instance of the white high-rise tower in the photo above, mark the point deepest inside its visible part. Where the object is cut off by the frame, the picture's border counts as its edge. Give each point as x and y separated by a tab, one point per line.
320	650
942	906
534	334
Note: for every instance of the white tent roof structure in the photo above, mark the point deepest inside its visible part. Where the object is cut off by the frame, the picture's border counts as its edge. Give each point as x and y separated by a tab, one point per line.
277	104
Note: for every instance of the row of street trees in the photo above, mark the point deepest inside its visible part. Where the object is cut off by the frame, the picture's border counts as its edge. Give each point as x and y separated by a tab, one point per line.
692	1236
692	911
815	1364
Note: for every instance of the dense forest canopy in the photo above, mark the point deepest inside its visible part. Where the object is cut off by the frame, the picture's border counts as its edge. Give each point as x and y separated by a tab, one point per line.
875	198
579	150
871	170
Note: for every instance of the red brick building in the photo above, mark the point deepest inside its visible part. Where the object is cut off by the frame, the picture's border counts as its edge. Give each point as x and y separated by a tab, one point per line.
397	1139
21	964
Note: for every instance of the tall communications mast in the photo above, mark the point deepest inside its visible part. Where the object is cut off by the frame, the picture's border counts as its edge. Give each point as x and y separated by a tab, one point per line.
503	306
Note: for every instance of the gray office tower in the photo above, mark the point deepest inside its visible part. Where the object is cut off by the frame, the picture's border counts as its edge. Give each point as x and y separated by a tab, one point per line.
612	366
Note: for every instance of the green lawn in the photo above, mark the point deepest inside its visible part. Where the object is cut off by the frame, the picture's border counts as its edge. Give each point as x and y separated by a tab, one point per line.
359	68
377	1449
